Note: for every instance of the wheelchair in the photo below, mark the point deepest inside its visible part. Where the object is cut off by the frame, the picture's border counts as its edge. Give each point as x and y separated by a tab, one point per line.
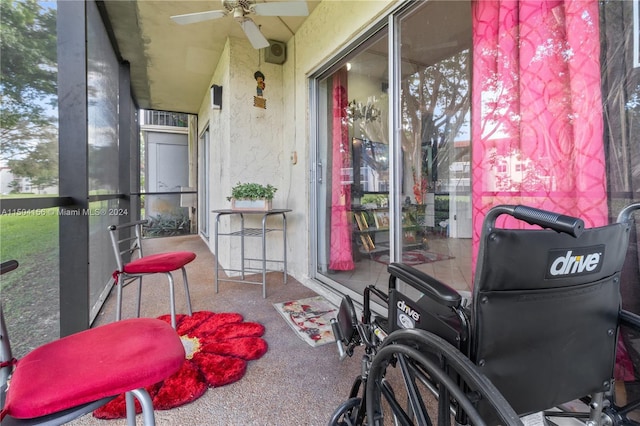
535	344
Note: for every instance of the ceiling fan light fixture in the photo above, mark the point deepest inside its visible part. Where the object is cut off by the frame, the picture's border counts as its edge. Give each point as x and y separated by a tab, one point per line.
238	14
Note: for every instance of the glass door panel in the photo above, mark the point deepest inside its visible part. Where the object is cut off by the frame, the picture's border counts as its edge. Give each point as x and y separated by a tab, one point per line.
353	178
435	95
354	190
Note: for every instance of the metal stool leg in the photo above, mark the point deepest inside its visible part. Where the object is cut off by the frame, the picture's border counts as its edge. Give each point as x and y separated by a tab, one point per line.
172	300
119	285
130	405
186	291
139	296
148	415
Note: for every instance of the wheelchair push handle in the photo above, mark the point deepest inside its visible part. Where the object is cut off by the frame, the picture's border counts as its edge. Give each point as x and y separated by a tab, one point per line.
560	223
626	214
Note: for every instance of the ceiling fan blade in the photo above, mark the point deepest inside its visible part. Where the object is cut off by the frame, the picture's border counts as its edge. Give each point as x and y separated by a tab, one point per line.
192	18
257	40
285	8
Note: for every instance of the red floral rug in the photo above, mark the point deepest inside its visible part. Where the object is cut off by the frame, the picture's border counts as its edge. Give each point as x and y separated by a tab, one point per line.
217	346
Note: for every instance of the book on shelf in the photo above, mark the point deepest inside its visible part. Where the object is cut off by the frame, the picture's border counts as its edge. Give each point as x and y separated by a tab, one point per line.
381	219
363	215
361	221
367	242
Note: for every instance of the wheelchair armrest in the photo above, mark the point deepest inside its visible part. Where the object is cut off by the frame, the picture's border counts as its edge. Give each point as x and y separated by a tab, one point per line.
424	283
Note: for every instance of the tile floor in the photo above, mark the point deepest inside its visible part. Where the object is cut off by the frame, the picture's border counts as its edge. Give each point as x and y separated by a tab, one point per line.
455	272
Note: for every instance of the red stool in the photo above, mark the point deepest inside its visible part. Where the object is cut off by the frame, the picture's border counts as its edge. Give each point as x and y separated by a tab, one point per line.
72	376
140	265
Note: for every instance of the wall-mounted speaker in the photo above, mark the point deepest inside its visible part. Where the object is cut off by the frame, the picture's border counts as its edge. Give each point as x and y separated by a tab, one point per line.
276	53
216	97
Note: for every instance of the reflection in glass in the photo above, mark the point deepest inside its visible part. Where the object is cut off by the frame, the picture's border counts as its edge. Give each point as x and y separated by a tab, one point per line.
370	166
435	99
102	108
354	157
103	165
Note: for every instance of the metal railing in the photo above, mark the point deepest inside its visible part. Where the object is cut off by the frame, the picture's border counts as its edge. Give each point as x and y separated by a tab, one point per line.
165	118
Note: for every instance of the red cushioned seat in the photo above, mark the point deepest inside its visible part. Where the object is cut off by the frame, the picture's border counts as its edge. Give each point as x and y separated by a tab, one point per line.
141	265
163	262
93	364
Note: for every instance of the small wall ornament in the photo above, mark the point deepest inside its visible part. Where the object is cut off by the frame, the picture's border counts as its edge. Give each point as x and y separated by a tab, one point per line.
259	101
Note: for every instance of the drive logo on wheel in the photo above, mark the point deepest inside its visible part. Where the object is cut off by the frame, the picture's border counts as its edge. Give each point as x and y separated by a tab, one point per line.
407	316
575	262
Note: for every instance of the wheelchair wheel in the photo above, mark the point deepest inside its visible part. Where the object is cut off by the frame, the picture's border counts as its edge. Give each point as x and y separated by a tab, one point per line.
417	378
348	413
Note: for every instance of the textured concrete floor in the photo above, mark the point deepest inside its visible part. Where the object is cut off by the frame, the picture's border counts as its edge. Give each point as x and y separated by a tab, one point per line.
292	384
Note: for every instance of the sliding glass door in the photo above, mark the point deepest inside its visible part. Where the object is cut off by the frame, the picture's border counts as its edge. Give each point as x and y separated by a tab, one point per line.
380	200
435	109
353	170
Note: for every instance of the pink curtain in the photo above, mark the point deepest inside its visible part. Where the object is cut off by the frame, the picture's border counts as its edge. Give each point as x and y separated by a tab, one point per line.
340	252
537	125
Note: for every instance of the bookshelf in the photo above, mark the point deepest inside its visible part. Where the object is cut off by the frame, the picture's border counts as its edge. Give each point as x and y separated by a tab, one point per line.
371	230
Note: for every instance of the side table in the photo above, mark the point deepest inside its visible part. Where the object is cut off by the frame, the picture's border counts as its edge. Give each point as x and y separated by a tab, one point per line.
252	232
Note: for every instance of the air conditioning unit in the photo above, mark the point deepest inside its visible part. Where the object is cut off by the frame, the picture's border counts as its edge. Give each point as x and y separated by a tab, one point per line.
276	53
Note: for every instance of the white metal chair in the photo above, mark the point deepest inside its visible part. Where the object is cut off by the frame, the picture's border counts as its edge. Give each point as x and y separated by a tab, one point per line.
140	265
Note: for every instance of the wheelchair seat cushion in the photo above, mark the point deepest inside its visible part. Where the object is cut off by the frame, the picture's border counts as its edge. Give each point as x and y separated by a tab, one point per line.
162	262
93	364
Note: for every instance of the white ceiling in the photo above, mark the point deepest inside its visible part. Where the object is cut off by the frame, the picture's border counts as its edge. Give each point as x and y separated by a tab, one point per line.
171	64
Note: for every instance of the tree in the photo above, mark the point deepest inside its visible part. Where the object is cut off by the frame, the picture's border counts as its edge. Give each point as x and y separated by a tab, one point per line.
435	106
29	75
40	165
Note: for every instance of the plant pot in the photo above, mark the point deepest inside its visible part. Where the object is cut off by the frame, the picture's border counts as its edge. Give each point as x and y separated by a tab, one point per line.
248	204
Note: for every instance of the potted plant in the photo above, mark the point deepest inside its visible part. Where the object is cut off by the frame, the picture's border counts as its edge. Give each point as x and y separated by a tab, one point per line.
251	196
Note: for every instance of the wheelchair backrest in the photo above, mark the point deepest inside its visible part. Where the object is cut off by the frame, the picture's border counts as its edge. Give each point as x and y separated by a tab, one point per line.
545	312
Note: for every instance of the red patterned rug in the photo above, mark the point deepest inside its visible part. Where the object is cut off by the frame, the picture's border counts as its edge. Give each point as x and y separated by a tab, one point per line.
414	257
217	346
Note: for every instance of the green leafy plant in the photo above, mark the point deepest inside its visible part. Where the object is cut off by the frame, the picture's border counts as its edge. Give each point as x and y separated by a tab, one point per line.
378	199
252	191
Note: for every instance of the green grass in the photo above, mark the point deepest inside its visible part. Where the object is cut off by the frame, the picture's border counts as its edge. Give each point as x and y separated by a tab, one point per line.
30	294
32	239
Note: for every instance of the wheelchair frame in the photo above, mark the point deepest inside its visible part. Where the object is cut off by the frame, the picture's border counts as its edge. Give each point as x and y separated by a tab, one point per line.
435	360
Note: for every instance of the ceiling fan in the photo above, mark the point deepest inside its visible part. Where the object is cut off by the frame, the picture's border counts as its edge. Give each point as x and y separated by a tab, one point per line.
241	9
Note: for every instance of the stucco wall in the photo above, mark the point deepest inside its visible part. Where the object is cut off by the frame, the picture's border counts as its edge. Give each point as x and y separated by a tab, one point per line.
250	144
245	141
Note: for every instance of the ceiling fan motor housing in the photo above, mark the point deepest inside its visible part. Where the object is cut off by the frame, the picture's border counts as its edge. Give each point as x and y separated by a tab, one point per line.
240	11
276	53
232	5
